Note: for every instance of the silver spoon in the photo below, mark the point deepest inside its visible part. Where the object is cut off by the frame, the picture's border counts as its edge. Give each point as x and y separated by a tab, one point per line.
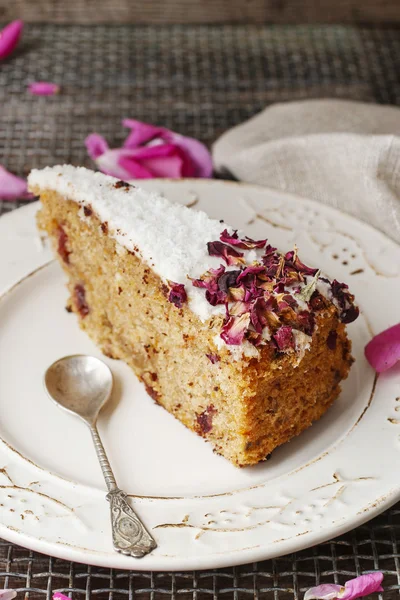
82	385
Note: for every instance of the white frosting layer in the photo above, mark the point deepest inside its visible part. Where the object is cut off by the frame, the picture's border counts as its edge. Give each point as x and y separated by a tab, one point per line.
171	238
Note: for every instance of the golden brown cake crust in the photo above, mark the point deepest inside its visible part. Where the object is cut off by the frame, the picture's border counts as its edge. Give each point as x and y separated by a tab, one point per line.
245	408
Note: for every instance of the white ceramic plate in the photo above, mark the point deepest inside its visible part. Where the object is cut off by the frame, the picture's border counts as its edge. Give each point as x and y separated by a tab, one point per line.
203	512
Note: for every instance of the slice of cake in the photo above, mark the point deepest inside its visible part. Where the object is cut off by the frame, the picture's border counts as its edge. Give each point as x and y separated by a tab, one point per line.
245	345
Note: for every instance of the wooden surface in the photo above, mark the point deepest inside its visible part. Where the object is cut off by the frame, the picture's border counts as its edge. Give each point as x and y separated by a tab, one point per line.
202	11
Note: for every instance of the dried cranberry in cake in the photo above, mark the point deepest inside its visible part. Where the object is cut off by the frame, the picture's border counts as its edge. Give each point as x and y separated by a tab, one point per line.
62	244
205	420
331	340
213	358
80	300
87	211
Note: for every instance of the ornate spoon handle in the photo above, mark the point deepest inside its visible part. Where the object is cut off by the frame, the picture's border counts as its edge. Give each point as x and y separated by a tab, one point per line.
129	534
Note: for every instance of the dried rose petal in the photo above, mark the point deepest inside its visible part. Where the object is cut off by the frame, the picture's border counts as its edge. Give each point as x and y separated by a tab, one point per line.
251	270
354	588
43	88
230	255
228	280
349	312
284	338
258	314
234	330
9	37
12	187
177	294
292	259
246	243
236	309
383	351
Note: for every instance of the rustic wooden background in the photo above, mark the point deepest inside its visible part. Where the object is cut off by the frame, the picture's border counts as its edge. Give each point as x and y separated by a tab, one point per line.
202	11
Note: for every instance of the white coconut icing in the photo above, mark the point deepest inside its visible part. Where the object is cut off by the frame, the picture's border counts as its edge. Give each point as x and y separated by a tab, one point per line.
171	238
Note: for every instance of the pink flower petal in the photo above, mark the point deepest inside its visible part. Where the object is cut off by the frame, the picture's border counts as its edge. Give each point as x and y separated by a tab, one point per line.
9	37
234	329
383	351
362	586
7	594
150	151
355	588
96	145
59	596
43	88
135	169
110	163
326	591
12	187
141	133
197	152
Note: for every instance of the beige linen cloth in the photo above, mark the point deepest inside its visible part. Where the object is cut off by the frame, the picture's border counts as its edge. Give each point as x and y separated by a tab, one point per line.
345	154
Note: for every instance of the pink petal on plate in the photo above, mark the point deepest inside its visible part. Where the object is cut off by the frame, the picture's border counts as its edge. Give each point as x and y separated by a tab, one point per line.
135	168
12	187
326	591
109	163
383	351
9	37
195	151
43	88
362	586
59	596
7	594
141	133
96	145
162	160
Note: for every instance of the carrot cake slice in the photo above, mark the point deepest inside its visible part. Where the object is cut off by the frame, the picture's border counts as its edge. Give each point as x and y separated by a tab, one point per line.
243	344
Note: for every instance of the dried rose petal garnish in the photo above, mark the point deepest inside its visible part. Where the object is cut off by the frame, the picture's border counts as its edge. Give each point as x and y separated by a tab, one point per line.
12	187
9	37
43	88
177	294
383	351
230	255
150	151
265	300
234	240
354	588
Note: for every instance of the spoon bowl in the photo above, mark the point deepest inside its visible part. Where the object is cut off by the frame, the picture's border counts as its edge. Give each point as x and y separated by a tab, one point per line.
80	384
